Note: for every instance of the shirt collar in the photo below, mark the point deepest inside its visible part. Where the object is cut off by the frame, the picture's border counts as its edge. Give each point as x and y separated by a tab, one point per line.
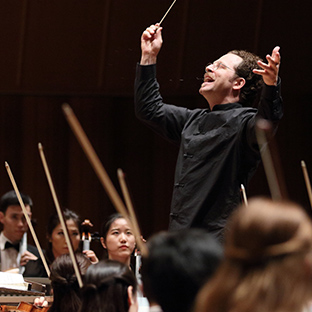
3	240
226	106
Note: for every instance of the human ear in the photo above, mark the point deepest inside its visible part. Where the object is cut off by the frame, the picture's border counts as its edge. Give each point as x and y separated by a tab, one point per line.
1	217
239	83
103	243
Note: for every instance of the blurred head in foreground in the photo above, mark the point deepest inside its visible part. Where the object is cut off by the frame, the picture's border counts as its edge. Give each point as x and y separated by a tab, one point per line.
268	261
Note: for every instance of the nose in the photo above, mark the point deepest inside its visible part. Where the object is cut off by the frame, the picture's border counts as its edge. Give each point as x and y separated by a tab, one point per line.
123	237
209	68
21	222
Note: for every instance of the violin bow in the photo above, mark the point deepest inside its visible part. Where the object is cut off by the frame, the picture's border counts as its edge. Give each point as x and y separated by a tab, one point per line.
27	218
307	180
61	216
270	160
132	215
96	163
244	197
167	13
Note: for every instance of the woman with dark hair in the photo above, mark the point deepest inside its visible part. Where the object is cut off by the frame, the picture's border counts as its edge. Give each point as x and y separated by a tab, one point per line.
55	234
57	245
118	239
268	261
66	290
109	286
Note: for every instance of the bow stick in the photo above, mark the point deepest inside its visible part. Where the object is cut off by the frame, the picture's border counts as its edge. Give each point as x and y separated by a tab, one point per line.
166	13
307	180
27	218
243	191
61	216
269	158
125	192
95	162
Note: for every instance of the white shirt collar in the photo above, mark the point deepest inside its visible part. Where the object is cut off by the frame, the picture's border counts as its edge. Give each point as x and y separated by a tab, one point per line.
3	240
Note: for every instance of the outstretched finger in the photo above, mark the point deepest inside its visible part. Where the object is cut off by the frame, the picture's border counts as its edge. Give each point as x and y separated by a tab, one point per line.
275	54
264	66
275	58
272	61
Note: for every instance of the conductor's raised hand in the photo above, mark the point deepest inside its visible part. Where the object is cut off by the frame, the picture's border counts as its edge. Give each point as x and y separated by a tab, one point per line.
151	42
269	71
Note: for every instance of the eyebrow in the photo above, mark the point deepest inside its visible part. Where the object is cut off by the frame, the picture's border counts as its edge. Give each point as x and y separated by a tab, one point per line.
16	214
118	229
225	65
221	63
114	229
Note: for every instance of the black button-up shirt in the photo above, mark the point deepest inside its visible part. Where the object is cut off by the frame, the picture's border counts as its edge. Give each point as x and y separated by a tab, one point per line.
218	150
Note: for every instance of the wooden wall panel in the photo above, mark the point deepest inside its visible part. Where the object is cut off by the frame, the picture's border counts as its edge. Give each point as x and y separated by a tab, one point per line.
85	52
63	45
11	25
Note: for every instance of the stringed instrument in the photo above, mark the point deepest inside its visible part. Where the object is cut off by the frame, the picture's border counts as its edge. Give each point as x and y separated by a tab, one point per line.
87	236
24	307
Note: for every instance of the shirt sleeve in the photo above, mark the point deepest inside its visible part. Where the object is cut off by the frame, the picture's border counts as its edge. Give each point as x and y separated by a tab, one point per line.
165	119
270	107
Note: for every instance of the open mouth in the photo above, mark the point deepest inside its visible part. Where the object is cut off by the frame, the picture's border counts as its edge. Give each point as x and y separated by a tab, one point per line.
208	78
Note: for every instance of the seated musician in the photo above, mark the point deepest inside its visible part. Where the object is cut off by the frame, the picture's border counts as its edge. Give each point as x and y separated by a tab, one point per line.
14	251
66	290
268	261
118	239
109	286
177	265
57	245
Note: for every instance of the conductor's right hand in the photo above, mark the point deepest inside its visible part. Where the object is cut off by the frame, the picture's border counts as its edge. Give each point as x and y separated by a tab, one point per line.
151	42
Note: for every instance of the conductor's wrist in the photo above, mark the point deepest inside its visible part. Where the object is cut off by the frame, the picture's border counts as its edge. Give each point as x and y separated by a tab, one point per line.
148	59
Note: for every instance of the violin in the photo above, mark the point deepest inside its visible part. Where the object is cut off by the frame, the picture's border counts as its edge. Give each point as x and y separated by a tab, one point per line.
87	236
24	307
28	307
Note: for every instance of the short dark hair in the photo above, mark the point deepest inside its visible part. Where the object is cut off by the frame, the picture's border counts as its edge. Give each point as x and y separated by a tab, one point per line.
254	82
106	287
66	290
177	265
10	199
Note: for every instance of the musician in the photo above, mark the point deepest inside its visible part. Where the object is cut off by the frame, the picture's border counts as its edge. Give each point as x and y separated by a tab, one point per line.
56	240
14	250
66	290
218	146
177	265
109	286
268	261
118	239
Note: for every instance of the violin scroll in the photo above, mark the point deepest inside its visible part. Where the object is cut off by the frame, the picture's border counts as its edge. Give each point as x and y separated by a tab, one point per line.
87	236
